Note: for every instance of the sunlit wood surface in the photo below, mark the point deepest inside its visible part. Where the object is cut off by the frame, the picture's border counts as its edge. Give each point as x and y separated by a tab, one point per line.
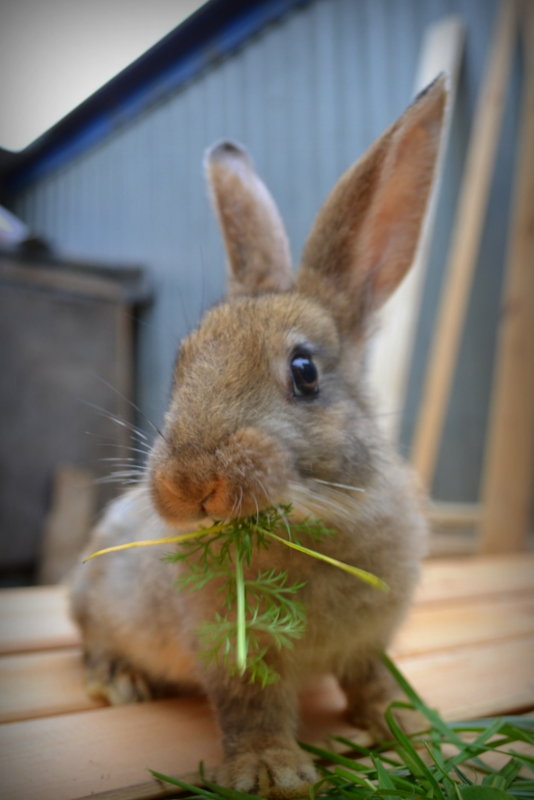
467	646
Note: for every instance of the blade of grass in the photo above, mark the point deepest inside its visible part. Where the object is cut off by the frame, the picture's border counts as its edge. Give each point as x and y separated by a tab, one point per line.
367	752
335	758
411	758
384	778
505	776
482	793
196	791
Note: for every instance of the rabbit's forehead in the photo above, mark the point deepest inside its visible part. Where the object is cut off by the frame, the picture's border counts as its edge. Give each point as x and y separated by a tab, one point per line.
272	324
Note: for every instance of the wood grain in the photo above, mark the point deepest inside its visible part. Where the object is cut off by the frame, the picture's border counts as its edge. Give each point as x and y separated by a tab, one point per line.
45	684
462	258
467	579
42	685
111	748
467	647
508	479
35	618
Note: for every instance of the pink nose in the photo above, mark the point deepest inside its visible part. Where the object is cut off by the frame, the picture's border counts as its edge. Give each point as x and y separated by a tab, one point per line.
181	497
248	471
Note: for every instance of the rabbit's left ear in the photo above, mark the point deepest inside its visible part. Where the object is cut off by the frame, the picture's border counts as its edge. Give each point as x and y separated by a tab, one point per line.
365	236
256	244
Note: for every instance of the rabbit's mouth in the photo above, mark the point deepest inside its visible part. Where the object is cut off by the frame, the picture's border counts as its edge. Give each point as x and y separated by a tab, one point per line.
246	473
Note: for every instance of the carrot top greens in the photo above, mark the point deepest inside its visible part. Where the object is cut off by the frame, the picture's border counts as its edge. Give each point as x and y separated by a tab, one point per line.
262	611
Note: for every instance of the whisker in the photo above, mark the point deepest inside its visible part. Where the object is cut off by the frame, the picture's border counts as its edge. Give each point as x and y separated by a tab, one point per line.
136	469
131	475
236	505
115	418
287	526
257	508
318	504
121	481
141	451
122	459
339	485
143	446
130	403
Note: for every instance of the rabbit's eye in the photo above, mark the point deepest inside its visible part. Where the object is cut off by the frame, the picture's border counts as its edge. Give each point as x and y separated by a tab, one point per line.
304	374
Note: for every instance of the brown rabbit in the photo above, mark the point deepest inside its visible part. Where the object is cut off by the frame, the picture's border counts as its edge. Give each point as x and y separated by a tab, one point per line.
269	406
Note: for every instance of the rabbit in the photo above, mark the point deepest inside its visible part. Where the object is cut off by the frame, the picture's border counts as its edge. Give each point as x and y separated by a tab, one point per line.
269	405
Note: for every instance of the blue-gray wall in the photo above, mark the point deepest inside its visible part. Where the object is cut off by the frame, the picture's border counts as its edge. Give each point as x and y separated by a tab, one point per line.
306	95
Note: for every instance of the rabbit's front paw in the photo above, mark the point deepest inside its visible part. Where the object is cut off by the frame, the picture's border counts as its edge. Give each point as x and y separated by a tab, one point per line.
277	772
116	682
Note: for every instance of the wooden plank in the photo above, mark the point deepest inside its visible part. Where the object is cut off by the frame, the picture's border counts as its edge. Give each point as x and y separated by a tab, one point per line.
391	348
454	514
451	543
464	247
42	684
476	681
509	467
465	578
457	682
435	628
35	618
67	757
73	755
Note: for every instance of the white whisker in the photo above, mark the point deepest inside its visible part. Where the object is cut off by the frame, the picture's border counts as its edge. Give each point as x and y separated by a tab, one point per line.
339	485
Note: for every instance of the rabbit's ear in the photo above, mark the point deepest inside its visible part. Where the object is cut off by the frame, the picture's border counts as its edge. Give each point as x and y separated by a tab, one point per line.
254	235
364	238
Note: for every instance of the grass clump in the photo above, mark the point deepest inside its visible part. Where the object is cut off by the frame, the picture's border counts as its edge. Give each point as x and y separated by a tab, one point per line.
448	761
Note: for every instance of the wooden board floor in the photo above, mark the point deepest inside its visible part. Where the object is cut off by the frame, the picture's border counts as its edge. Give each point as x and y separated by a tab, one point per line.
467	646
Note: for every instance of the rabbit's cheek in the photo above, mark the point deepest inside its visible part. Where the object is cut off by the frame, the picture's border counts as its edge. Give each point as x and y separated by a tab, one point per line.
256	468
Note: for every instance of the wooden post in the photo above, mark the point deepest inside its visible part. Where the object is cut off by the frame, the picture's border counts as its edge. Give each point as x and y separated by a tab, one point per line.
508	478
69	522
464	248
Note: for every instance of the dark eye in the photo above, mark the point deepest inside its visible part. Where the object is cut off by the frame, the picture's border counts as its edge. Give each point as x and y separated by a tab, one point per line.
304	374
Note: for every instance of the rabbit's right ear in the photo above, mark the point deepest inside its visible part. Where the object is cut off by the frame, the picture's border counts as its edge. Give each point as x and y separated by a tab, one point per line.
255	240
364	238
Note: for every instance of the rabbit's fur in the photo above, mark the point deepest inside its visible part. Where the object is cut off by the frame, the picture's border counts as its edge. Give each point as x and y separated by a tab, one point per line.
239	436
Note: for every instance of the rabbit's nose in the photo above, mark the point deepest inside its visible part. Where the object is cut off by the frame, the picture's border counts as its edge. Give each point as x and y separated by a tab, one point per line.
181	497
203	503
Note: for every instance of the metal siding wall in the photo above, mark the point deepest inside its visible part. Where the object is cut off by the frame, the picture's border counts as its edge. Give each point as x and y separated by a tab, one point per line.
306	95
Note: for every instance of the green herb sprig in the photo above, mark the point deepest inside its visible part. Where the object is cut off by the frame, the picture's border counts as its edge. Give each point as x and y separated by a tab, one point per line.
260	612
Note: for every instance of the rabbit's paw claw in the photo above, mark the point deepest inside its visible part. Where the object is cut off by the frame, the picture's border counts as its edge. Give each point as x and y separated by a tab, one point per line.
276	772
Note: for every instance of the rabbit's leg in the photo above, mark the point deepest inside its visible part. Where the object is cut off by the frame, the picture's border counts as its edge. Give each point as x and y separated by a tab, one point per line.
114	680
369	689
261	753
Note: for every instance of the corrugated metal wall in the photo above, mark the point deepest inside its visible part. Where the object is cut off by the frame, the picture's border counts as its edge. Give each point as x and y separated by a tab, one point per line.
306	95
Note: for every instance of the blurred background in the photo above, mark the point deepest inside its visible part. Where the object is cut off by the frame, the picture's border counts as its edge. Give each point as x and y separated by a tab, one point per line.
113	253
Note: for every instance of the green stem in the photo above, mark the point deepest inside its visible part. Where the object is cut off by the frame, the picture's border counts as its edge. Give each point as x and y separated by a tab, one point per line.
362	574
241	637
180	537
